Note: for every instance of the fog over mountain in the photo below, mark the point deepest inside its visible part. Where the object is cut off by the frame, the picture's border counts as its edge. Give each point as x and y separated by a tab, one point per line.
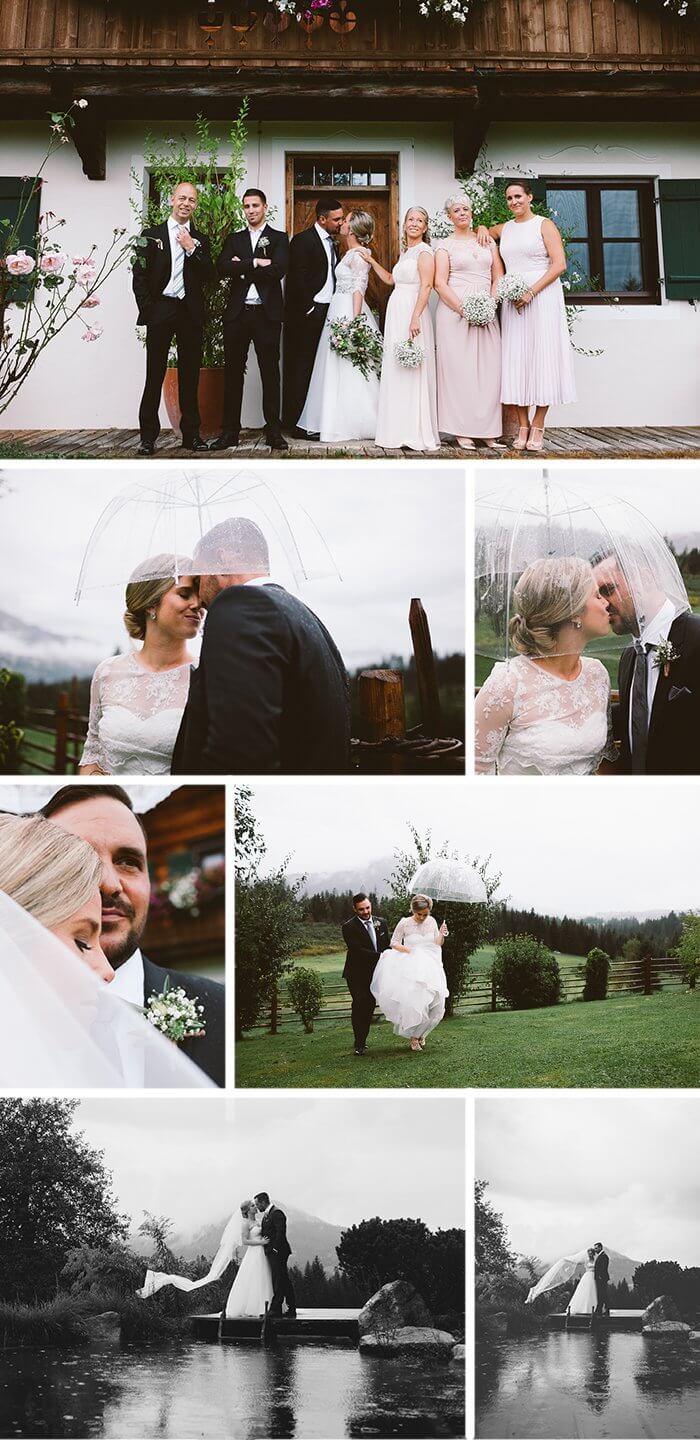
308	1236
42	654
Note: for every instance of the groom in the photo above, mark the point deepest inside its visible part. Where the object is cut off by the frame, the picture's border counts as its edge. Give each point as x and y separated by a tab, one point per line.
270	693
278	1251
366	939
308	293
601	1273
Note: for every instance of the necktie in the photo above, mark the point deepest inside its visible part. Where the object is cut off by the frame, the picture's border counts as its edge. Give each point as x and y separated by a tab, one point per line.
640	708
178	282
370	931
331	246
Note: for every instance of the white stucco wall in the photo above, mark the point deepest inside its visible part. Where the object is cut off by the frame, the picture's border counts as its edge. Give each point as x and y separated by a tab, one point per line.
649	372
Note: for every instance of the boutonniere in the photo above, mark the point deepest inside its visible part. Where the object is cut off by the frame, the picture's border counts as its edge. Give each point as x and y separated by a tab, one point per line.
664	656
175	1015
155	240
263	243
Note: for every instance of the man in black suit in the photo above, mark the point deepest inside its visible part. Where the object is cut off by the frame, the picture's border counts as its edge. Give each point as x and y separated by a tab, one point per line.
657	720
270	693
278	1251
104	816
170	272
366	939
254	261
308	293
601	1275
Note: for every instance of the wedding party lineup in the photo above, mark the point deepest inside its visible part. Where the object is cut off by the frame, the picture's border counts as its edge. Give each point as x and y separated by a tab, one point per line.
349	719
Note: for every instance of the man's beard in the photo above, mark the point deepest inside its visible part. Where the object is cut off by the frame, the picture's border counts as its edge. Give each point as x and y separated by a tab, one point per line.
126	947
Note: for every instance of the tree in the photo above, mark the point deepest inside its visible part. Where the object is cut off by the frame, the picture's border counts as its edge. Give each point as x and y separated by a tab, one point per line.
597	970
305	991
688	949
525	973
55	1192
159	1228
268	916
492	1253
250	846
377	1251
657	1277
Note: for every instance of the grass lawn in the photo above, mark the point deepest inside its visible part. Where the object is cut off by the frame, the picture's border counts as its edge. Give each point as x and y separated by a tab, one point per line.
627	1041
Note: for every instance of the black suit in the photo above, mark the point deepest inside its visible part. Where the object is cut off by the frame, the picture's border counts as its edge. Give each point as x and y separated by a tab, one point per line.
209	1052
270	694
360	963
278	1251
246	324
166	319
304	320
673	746
601	1273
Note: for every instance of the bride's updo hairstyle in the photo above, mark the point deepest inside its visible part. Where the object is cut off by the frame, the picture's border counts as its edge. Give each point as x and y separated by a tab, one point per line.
144	594
549	595
46	870
361	225
421	902
247	1208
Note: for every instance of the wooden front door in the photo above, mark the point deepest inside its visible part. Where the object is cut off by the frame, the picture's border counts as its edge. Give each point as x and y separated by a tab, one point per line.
361	182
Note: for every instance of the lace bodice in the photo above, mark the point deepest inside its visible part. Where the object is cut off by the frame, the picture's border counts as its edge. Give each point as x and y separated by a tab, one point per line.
412	935
470	264
530	721
135	715
352	274
523	250
405	271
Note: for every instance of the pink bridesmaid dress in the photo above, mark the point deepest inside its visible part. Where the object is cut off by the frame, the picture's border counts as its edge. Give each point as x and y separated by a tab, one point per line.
468	356
407	404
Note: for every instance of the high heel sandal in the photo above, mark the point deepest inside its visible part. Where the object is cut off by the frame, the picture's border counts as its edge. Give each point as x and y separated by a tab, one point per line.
465	443
421	1042
521	439
533	444
415	1044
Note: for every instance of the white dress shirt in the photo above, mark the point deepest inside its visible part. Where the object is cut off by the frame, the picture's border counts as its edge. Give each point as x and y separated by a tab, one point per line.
128	980
175	288
653	634
325	294
253	298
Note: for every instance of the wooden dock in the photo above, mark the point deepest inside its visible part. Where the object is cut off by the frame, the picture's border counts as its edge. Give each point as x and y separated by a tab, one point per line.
328	1326
616	1320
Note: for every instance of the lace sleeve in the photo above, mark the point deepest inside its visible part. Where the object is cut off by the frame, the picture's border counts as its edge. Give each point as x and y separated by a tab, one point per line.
359	269
92	751
493	713
397	937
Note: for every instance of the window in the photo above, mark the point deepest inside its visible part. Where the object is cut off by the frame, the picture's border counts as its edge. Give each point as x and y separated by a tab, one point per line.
611	234
342	172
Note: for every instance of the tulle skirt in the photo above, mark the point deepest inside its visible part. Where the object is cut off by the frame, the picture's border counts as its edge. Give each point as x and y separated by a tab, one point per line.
411	990
537	356
252	1288
341	404
585	1296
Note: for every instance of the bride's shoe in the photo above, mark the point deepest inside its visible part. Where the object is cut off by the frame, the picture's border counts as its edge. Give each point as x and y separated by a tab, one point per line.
495	445
415	1044
421	1042
520	441
532	443
465	443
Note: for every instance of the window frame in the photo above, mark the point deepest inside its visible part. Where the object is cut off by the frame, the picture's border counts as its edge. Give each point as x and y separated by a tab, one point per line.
648	237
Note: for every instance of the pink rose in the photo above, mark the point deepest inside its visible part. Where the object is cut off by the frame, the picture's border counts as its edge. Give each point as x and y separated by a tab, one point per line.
53	263
85	274
92	332
90	301
21	263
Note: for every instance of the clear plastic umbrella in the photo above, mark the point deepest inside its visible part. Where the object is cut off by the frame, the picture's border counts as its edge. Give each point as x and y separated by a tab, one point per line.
227	523
449	880
544	549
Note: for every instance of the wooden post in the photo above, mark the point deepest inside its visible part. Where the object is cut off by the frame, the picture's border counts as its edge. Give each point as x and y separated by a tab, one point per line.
494	995
647	974
426	671
61	752
274	1005
382	708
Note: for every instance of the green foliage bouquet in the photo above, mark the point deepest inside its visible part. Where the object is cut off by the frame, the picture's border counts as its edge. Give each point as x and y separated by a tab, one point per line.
358	342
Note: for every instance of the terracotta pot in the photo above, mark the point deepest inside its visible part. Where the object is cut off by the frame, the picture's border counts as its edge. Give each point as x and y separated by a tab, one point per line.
210	395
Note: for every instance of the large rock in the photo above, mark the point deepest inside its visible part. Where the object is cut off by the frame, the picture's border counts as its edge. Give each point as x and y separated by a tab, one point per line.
104	1330
409	1337
393	1307
663	1307
666	1327
459	1354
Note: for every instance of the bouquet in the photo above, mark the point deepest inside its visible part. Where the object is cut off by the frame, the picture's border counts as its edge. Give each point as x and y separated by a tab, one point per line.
356	341
511	287
174	1014
479	309
409	354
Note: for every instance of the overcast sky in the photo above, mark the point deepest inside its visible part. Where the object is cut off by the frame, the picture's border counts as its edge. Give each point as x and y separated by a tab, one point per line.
583	848
668	495
340	1158
567	1170
393	534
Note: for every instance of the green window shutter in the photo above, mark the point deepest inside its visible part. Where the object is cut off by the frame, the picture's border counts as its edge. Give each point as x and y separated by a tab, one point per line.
13	194
680	230
539	190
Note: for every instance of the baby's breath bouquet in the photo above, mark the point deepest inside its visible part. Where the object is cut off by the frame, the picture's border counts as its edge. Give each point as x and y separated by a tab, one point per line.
511	287
479	309
409	354
356	341
175	1014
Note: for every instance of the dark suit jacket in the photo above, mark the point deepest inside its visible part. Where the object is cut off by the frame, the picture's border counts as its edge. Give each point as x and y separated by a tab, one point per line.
270	694
306	272
601	1269
209	1053
242	273
274	1229
361	958
152	267
674	726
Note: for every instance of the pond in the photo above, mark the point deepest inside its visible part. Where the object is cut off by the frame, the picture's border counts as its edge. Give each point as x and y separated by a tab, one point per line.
198	1391
588	1384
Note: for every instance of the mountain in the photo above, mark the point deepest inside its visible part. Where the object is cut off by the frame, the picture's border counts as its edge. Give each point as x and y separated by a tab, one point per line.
308	1236
368	875
621	1267
42	654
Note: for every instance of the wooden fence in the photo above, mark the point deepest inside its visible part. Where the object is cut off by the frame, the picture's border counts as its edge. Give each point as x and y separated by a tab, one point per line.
644	977
62	732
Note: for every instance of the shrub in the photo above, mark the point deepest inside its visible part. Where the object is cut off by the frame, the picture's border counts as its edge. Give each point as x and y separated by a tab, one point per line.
12	700
597	970
525	973
305	990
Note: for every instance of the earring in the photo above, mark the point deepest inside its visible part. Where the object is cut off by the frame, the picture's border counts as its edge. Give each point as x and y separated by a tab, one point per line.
151	614
577	624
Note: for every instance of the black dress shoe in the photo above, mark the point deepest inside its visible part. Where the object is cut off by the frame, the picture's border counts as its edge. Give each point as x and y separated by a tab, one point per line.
228	440
291	1315
360	1049
276	440
313	435
196	443
146	447
297	433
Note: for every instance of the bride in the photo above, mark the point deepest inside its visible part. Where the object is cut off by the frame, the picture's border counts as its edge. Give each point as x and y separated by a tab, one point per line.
137	700
409	983
585	1297
62	1025
548	710
341	404
251	1292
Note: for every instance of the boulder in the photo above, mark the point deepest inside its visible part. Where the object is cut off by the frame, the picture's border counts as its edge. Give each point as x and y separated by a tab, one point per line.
694	1337
393	1307
459	1355
103	1330
663	1307
409	1337
666	1327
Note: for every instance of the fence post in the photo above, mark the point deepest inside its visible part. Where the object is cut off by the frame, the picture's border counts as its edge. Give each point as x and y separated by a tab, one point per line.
61	753
426	672
274	1003
647	974
494	995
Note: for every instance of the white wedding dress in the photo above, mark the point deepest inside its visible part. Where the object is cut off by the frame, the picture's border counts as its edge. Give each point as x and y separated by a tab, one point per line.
252	1288
585	1296
135	716
411	989
340	403
530	721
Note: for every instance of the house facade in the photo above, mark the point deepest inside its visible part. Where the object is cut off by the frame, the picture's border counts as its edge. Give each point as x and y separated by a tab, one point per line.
598	101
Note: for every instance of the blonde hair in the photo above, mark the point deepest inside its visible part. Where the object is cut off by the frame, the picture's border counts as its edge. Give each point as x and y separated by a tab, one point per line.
453	200
548	595
48	871
144	593
361	225
421	902
248	1207
426	217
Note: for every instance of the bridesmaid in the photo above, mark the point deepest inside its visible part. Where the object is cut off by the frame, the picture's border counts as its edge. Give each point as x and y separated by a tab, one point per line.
468	356
407	407
538	362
